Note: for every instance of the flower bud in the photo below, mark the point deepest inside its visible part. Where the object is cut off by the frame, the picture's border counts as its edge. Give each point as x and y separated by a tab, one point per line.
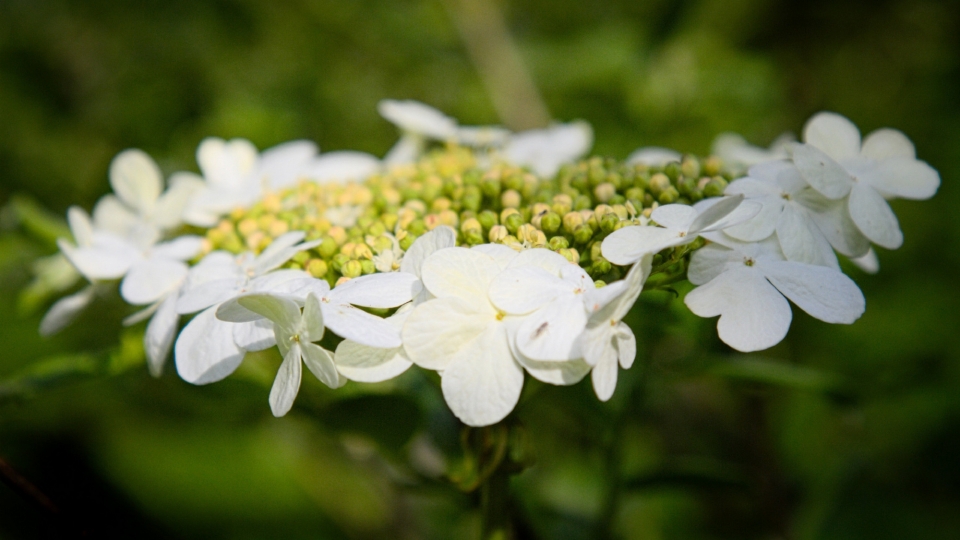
316	267
488	219
668	196
690	167
278	228
715	187
510	199
562	203
672	170
339	235
247	226
558	242
407	241
449	218
600	267
659	183
328	246
583	234
572	220
490	186
609	223
512	242
473	237
550	222
712	166
570	254
439	205
351	269
367	266
497	233
604	192
362	251
338	260
513	222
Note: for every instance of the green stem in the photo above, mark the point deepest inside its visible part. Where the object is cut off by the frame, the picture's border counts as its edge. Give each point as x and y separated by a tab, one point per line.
495	506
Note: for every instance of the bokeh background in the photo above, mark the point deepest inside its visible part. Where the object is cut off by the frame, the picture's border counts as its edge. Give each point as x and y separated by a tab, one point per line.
837	433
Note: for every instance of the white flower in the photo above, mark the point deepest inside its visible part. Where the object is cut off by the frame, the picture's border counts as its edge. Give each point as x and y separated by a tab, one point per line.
417	123
679	225
545	150
341	166
209	349
461	334
294	333
653	156
745	285
738	154
607	343
785	200
360	362
836	164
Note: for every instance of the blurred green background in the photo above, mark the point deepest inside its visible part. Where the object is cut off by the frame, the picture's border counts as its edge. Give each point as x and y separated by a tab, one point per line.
837	433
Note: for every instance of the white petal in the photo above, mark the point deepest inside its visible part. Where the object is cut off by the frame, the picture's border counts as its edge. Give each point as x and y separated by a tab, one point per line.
207	294
653	156
168	212
627	245
719	209
161	330
824	293
424	246
626	344
888	143
834	221
136	179
801	239
150	280
550	261
753	314
869	263
205	351
545	150
677	217
342	166
634	280
226	163
278	252
98	262
65	310
833	134
436	330
905	178
518	291
379	290
313	327
500	253
595	343
874	217
143	314
482	136
352	323
256	335
482	382
752	187
550	333
742	213
556	373
183	248
320	362
287	384
370	364
284	312
761	225
416	117
281	166
406	150
595	299
710	261
604	377
109	214
821	171
80	226
459	272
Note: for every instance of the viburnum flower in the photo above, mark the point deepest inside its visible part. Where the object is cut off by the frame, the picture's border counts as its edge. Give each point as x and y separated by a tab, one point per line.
418	123
545	150
679	225
835	163
606	343
785	199
653	156
464	336
295	333
740	155
745	284
340	166
209	349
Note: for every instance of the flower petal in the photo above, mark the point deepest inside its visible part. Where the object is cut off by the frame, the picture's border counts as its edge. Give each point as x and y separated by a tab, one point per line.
182	248
761	225
459	272
518	291
313	327
80	226
256	335
629	244
161	330
753	314
677	217
208	294
604	376
136	179
65	310
424	246
874	217
824	293
282	311
341	166
550	333
869	263
482	382
150	280
320	362
834	221
905	178
436	330
168	212
381	290
801	239
833	134
370	364
287	384
545	150
626	344
550	261
888	143
556	373
352	323
205	351
821	171
710	261
500	253
416	117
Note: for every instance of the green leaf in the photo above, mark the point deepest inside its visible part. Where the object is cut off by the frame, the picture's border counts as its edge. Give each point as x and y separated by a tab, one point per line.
38	221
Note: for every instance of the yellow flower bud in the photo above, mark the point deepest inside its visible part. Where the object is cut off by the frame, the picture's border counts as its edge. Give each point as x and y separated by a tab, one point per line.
316	267
351	269
572	220
497	233
511	199
604	192
247	226
449	218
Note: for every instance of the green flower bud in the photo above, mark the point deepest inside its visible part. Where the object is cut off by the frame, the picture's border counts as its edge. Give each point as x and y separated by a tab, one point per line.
583	234
327	247
407	241
338	261
715	187
367	267
301	257
488	219
550	222
659	183
690	167
562	203
497	233
609	222
472	198
571	255
351	269
686	186
599	283
672	170
511	199
513	222
558	242
668	196
600	267
490	186
712	166
604	192
317	268
582	202
572	220
473	237
417	227
513	181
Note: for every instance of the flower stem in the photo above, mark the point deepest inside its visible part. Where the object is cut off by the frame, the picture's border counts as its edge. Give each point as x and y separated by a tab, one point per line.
495	506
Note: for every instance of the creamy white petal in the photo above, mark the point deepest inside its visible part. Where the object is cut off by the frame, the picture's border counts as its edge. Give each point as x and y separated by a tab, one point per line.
424	246
714	214
550	333
80	226
905	178
100	261
550	261
595	343
320	362
283	311
281	166
136	179
834	221
436	330
352	323
556	373
518	291
183	248
226	163
370	364
753	314
406	150
635	278
205	351
341	166
208	294
500	253
821	171
256	335
710	261
627	245
653	156
287	384
824	293
674	216
109	214
545	150
381	290
312	322
65	310
761	225
604	376
482	382
833	134
887	143
161	331
596	299
149	280
168	212
869	263
626	344
874	217
801	239
459	272
417	117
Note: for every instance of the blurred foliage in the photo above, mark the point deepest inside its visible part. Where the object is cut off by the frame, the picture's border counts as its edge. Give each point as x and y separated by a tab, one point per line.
837	433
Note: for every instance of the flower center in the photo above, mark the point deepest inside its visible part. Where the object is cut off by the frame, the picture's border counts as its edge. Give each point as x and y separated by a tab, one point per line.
748	261
500	315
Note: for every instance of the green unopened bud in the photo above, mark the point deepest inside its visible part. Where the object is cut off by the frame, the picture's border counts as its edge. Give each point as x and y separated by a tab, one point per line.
550	222
377	228
690	167
558	242
583	234
668	196
672	170
301	257
513	222
572	220
490	186
634	193
715	187
417	227
498	233
609	223
604	192
602	210
562	203
511	198
407	241
472	198
439	205
473	237
247	226
659	183
367	266
351	269
471	224
599	284
600	267
513	181
512	242
712	166
570	254
488	219
381	244
316	267
338	261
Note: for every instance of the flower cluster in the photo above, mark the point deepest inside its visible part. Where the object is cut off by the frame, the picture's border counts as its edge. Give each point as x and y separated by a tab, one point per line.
480	253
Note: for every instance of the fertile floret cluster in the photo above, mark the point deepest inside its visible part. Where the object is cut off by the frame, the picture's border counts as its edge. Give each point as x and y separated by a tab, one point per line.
480	253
